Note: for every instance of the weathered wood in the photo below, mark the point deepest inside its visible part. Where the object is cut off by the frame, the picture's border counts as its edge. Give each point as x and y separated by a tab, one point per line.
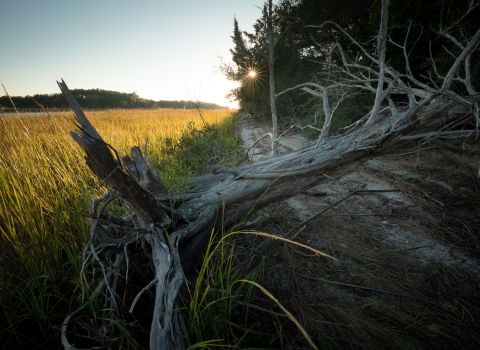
110	169
240	190
237	190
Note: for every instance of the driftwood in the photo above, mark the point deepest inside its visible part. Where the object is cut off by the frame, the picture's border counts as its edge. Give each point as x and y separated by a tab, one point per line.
237	190
177	233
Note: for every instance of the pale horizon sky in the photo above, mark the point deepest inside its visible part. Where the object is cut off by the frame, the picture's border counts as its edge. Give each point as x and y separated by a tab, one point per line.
163	50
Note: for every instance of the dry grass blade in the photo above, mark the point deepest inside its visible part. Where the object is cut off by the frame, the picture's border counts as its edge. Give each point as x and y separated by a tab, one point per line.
6	93
289	315
269	235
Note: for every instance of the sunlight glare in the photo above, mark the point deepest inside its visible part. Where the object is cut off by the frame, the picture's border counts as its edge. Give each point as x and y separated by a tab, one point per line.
252	74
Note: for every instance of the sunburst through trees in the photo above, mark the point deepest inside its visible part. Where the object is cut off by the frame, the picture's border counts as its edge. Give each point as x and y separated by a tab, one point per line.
254	77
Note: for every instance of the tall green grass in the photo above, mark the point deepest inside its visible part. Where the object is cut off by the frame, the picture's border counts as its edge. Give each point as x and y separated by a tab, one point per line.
44	191
45	188
216	295
228	306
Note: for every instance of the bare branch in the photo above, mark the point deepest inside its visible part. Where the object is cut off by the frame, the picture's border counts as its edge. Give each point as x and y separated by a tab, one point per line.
257	140
362	49
469	48
382	44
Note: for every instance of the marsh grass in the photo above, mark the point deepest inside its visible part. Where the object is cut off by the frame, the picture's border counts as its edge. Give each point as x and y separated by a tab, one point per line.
219	307
45	189
230	306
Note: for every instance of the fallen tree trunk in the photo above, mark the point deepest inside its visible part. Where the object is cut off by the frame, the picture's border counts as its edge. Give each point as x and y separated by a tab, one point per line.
174	229
236	190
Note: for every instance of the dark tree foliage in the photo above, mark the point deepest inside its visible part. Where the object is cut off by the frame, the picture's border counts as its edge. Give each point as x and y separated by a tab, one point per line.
355	16
250	52
99	99
296	52
303	51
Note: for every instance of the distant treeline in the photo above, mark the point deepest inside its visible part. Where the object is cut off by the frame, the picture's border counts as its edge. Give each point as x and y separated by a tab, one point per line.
99	99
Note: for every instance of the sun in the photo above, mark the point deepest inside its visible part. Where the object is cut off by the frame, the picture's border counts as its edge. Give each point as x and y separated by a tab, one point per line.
253	76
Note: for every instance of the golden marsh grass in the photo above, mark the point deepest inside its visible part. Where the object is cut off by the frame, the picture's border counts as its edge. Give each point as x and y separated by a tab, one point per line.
45	187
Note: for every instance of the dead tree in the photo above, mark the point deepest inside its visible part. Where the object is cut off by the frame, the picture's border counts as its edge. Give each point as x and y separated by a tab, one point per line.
271	70
369	72
272	42
175	247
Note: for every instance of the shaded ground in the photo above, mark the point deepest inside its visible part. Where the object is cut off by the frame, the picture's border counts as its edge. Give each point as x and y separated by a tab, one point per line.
407	245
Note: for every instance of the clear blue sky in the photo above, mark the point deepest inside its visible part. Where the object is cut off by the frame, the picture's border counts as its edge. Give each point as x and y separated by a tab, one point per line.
158	48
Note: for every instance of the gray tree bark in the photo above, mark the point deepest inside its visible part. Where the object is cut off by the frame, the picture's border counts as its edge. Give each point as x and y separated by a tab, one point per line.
237	190
382	46
271	69
177	246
